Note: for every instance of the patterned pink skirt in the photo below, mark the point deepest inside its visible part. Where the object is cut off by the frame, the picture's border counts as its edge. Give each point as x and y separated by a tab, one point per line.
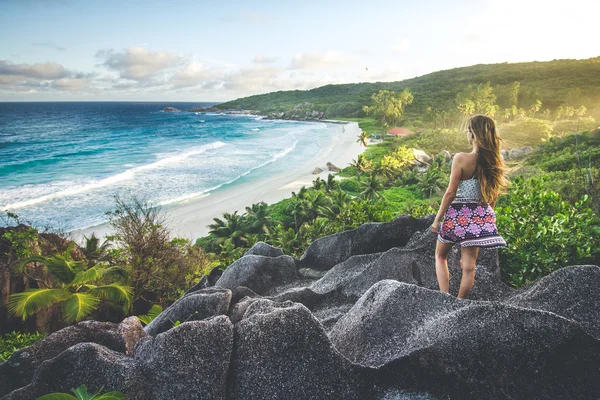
470	224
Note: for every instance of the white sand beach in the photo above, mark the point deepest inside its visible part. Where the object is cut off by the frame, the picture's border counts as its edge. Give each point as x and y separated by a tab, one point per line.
190	219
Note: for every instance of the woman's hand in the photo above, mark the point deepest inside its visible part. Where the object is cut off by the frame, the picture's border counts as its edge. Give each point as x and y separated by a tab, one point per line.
435	227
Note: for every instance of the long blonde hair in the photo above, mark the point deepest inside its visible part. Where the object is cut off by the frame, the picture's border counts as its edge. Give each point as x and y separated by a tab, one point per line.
490	166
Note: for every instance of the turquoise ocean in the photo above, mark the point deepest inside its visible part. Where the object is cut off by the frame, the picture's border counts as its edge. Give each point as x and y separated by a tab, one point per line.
63	163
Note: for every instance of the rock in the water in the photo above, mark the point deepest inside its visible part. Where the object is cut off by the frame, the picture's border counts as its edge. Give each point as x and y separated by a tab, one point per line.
259	273
282	352
372	237
195	306
171	109
90	364
190	361
332	167
422	157
317	171
18	370
264	249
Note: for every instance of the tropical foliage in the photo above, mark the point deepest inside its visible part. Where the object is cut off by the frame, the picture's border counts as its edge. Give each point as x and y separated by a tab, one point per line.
13	341
81	393
79	289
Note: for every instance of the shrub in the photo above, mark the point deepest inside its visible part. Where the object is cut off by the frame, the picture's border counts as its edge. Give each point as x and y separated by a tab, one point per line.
11	342
544	232
351	185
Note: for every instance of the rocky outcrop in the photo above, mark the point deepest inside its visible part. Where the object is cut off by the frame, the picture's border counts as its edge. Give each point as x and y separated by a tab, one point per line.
359	316
422	158
516	153
317	171
19	369
332	167
171	109
195	306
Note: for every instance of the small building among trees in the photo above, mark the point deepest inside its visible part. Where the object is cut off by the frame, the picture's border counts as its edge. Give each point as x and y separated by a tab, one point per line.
399	132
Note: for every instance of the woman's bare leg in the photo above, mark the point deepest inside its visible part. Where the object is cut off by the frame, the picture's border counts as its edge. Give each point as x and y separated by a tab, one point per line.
441	265
468	259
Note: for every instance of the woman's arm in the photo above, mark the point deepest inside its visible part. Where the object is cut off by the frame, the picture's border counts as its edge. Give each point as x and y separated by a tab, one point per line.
455	175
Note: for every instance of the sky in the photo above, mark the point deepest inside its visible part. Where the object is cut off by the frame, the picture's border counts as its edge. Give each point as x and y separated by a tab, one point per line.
213	51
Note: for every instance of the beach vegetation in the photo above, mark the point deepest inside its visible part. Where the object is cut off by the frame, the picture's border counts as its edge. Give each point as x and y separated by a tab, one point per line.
81	393
387	107
159	267
13	341
68	282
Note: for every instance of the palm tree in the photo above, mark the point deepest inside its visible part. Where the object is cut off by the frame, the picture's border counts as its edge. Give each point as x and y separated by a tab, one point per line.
362	138
298	210
258	219
93	250
361	164
431	181
331	184
233	227
318	184
372	188
80	290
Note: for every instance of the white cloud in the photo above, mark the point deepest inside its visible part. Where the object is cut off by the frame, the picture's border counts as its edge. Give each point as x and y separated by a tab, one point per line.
139	63
316	60
38	71
402	46
260	59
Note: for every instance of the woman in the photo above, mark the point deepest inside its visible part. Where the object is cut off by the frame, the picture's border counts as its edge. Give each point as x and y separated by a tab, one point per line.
476	179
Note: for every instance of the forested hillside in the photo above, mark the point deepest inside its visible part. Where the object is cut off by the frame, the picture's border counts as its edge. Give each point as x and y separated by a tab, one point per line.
555	83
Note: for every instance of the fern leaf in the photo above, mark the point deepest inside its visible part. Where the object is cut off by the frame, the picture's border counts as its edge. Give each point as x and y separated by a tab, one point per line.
27	303
79	305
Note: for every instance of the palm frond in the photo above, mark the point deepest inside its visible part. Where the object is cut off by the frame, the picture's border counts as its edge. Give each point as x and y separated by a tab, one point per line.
152	313
119	293
90	275
79	305
118	271
27	303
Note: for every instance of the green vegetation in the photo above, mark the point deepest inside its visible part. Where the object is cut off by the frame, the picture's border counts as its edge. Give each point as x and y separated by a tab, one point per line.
81	393
554	83
79	289
14	341
388	107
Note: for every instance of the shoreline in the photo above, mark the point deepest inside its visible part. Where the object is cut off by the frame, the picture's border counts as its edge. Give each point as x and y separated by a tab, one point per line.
189	219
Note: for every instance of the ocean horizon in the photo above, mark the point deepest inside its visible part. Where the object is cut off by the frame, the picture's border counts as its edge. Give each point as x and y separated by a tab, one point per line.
63	163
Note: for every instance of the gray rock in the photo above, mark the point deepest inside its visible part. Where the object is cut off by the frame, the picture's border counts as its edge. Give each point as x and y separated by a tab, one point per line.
264	249
171	109
446	154
432	341
282	352
520	152
505	154
239	309
18	370
332	167
570	292
90	364
317	171
259	273
422	157
195	306
371	237
240	292
202	284
190	361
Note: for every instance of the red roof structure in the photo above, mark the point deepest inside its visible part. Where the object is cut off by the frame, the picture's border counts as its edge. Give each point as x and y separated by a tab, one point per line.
399	132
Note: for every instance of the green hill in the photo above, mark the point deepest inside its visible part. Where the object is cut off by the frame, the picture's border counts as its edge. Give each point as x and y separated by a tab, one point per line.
555	83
